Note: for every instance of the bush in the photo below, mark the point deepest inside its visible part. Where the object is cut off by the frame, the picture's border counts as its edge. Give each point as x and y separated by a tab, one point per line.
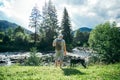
33	60
94	60
105	39
69	47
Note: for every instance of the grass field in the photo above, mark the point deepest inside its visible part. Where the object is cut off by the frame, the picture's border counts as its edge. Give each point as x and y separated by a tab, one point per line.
96	72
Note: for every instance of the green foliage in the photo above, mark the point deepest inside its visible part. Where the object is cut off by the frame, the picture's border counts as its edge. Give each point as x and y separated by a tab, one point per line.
15	40
33	60
10	33
66	30
95	72
94	60
85	45
6	39
35	19
19	37
66	27
105	39
18	29
69	47
48	27
81	38
2	34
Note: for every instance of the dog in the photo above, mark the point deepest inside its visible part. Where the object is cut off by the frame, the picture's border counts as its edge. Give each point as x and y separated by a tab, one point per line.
75	61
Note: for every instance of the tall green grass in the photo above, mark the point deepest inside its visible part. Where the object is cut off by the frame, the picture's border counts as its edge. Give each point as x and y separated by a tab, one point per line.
96	72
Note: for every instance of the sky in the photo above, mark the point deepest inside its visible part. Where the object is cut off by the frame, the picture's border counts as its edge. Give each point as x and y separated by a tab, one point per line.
82	13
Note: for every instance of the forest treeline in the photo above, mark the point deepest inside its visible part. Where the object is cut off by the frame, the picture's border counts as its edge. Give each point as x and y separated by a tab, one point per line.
46	30
104	39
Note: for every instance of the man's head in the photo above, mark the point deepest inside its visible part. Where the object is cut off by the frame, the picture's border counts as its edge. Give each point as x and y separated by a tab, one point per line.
60	36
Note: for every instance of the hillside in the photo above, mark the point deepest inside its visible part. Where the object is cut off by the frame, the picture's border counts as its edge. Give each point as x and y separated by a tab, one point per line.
96	72
4	25
82	29
85	29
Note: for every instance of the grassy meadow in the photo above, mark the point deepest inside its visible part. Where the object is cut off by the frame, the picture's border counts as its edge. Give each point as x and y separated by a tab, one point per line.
95	72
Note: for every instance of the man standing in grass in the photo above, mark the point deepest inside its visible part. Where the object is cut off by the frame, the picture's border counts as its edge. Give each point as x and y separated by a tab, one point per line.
60	50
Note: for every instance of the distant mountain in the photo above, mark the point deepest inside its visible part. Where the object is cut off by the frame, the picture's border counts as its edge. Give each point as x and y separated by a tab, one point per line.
82	29
4	25
85	29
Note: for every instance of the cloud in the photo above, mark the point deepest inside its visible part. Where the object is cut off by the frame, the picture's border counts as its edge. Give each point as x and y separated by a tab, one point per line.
92	12
18	11
69	2
1	4
14	12
81	12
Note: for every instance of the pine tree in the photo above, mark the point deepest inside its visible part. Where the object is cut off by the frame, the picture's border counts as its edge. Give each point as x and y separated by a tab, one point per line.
66	27
35	20
49	23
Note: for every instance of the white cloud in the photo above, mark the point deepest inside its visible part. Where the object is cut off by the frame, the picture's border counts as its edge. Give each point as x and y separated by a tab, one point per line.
82	12
94	12
118	25
18	10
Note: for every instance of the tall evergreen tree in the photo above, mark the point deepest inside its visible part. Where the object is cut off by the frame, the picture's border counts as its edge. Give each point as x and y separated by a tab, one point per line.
49	23
35	20
66	26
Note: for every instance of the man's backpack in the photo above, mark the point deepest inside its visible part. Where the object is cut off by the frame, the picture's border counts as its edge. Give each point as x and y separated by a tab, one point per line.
58	44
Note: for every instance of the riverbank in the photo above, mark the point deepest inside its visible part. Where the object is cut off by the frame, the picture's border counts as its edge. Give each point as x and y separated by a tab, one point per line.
46	58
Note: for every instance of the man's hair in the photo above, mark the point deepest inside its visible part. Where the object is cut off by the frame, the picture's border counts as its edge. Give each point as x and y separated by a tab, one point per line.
60	35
